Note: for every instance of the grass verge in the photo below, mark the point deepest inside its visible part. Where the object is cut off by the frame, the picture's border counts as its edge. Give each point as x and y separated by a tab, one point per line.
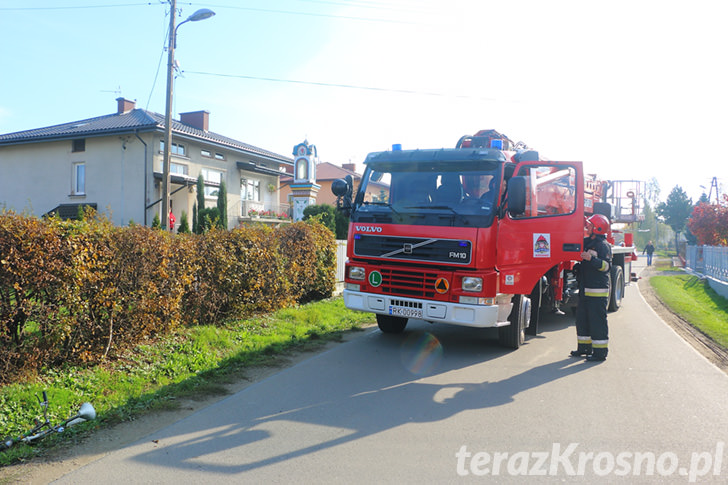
694	301
194	362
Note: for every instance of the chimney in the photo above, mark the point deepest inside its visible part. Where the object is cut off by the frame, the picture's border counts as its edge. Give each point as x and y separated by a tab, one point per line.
124	105
349	166
196	119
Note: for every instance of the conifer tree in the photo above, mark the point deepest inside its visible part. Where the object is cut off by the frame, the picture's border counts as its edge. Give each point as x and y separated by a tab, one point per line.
194	219
222	205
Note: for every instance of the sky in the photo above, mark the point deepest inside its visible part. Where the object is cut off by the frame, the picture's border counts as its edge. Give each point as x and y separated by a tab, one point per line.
635	89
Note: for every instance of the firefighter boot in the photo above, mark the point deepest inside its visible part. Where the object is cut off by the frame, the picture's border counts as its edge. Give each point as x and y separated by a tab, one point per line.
599	354
582	350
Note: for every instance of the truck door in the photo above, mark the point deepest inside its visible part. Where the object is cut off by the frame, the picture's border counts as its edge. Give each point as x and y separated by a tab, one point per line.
550	231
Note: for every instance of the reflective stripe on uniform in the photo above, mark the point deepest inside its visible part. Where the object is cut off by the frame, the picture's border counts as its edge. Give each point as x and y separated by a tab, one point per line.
605	267
600	344
583	340
596	292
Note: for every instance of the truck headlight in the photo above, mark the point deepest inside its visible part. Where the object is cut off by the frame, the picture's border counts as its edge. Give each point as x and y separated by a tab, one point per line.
357	273
473	284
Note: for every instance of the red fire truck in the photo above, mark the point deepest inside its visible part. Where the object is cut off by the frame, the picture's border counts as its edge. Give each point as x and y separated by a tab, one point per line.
486	234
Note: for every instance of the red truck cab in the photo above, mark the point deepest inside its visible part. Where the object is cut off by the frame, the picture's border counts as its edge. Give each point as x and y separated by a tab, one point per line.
470	236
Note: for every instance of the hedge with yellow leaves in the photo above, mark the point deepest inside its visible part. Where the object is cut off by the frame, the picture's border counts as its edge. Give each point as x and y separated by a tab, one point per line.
79	291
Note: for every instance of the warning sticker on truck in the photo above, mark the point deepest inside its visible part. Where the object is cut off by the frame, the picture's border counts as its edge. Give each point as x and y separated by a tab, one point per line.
541	245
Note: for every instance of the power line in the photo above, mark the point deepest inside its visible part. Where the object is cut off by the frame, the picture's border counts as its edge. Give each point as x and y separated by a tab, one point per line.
311	14
72	7
232	7
344	86
365	4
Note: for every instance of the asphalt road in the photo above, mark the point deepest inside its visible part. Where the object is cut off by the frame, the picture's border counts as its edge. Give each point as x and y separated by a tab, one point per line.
446	404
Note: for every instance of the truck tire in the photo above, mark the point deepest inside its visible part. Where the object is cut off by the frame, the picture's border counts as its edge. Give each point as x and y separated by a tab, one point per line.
513	335
616	291
390	324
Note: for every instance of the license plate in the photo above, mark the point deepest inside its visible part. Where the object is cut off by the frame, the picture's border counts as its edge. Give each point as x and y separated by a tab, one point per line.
399	311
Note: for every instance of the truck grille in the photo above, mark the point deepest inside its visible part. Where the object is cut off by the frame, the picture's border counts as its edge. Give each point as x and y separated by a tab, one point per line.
414	284
449	251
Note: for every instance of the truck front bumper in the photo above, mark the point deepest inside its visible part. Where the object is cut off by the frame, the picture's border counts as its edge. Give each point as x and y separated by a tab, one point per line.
479	316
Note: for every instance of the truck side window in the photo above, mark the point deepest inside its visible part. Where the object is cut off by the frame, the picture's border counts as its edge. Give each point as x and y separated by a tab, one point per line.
551	190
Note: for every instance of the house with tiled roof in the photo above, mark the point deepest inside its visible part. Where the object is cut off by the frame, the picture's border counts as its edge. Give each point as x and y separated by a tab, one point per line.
115	164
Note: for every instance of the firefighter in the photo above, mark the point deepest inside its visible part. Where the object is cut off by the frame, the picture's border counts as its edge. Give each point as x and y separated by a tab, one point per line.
592	333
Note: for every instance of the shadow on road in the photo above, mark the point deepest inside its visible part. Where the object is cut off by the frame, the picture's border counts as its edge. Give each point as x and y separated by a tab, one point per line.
361	388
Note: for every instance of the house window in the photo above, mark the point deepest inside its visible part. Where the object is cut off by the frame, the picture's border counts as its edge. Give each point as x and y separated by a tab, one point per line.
250	189
177	149
78	179
206	153
78	145
178	168
219	156
211	177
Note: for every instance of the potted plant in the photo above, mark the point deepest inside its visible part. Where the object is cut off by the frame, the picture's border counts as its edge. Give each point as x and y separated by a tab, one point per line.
253	213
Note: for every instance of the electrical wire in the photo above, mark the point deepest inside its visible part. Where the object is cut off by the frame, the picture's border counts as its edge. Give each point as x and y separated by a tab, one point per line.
343	86
75	7
311	14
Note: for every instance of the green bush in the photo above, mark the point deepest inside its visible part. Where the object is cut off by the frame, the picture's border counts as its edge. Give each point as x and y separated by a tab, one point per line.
327	214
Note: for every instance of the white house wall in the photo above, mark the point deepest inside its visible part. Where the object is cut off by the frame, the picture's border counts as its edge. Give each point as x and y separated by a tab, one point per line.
37	177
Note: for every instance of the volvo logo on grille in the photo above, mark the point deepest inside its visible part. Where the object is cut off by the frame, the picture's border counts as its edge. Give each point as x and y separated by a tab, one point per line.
407	248
368	228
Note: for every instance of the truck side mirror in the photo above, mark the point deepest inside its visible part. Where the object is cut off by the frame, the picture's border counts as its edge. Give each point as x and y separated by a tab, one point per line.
517	195
343	189
339	187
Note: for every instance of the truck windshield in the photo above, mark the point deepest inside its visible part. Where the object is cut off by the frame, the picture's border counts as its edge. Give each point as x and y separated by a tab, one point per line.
436	193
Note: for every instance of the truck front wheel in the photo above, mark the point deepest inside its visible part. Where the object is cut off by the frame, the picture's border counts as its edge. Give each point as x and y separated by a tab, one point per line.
390	324
513	335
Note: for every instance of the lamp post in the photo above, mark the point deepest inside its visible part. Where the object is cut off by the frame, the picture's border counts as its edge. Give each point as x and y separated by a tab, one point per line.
201	14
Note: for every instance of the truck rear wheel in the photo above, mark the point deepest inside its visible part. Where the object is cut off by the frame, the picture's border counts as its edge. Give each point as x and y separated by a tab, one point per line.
390	324
514	334
616	291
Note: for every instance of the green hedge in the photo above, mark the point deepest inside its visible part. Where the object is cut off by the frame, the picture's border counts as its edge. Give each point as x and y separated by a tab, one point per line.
78	291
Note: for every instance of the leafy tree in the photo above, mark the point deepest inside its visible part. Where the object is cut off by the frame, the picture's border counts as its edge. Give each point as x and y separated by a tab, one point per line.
676	211
333	219
184	226
653	191
709	224
222	206
325	213
342	225
207	219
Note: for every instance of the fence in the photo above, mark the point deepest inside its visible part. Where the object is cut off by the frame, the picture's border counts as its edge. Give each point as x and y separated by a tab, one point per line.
710	261
340	260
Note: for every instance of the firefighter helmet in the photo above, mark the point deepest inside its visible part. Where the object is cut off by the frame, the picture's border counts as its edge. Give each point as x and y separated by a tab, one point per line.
599	223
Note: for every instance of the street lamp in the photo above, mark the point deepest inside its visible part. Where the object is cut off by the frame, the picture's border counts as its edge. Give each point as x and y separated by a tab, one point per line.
201	14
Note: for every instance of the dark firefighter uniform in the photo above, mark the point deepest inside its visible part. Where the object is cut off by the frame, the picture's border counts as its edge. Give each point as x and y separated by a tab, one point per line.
592	332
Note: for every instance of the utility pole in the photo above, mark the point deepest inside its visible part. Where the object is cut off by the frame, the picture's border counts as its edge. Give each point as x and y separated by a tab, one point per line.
168	117
714	183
